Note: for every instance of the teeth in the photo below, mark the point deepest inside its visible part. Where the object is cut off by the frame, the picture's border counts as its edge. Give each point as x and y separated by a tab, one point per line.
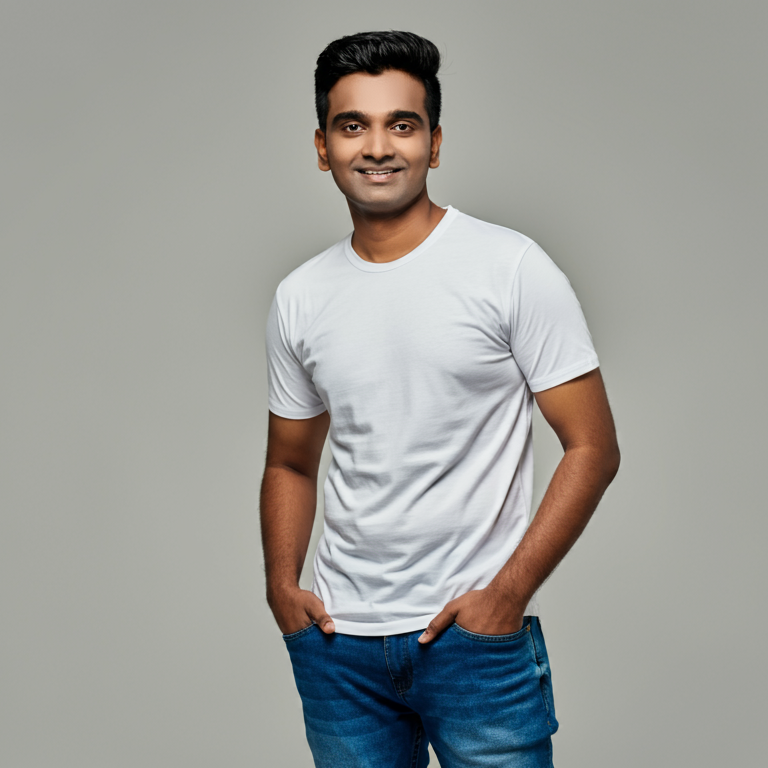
377	173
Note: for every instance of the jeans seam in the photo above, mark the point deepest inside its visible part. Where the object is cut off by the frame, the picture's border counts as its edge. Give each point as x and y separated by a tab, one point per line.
408	664
389	670
509	638
299	633
537	660
416	745
535	649
399	689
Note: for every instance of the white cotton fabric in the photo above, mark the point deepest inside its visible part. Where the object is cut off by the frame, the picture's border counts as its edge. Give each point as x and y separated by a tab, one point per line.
426	365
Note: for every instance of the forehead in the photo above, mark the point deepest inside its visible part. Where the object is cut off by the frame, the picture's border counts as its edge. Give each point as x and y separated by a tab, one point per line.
377	94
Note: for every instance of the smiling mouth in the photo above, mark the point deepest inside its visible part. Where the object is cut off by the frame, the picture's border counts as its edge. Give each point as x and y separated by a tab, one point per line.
381	174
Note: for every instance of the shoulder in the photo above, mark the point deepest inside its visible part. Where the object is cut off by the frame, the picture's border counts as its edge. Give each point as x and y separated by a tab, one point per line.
308	277
491	246
491	237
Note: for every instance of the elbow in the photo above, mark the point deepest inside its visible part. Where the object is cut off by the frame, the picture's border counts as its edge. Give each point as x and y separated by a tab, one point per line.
599	461
611	463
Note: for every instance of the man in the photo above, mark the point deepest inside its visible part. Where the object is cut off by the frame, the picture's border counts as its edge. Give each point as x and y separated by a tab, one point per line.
420	341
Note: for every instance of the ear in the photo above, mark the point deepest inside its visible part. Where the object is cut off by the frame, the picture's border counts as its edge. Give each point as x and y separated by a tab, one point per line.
322	151
437	140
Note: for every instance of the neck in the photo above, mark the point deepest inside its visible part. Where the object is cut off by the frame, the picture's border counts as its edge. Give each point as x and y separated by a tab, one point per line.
383	237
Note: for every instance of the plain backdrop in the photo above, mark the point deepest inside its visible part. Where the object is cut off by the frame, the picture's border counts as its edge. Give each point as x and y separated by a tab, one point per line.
158	181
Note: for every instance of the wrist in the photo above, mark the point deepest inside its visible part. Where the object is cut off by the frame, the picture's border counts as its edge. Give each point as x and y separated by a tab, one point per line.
277	593
506	595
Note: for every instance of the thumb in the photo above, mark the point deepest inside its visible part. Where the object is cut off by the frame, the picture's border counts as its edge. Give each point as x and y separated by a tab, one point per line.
442	621
316	611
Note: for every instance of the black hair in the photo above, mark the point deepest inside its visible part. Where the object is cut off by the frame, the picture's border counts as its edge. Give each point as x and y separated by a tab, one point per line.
375	52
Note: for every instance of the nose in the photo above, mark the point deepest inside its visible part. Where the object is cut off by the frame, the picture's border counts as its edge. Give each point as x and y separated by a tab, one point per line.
378	144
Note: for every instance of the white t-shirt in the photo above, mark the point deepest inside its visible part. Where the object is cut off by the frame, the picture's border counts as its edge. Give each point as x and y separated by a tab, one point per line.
426	365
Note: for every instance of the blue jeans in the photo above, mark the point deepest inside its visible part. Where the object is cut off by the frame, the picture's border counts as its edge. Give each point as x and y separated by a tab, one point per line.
377	702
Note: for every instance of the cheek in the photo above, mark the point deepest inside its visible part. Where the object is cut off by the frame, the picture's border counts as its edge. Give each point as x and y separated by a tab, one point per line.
419	162
339	165
422	154
341	150
339	180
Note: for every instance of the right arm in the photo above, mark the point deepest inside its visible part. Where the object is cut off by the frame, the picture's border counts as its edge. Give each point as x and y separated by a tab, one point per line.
288	505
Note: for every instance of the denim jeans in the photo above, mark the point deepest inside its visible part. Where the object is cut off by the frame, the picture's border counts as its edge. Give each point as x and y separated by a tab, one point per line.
377	702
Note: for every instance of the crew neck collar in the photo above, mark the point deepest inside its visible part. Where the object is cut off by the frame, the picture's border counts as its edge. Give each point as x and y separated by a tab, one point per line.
372	266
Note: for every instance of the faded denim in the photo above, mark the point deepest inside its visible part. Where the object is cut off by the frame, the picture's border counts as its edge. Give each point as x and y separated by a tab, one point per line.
482	701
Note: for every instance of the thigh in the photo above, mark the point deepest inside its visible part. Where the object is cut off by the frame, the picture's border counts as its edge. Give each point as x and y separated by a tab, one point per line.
486	701
353	716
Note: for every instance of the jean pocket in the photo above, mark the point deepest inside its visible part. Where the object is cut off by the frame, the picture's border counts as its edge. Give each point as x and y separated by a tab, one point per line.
300	633
522	632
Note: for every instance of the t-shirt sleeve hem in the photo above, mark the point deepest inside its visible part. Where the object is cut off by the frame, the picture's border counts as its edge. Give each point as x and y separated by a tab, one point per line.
292	413
539	385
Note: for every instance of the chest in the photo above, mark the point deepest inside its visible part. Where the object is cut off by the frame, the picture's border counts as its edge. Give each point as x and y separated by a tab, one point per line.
448	337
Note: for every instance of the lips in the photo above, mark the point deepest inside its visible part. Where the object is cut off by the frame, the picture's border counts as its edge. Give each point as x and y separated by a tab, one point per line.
378	174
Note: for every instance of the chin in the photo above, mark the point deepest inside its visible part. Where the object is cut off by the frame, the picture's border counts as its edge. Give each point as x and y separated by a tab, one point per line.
389	205
383	203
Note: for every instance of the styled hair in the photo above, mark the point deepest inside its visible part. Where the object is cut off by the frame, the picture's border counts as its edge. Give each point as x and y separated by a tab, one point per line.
373	53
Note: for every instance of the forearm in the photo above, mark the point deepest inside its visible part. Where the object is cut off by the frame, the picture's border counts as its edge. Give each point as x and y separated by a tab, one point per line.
576	487
288	504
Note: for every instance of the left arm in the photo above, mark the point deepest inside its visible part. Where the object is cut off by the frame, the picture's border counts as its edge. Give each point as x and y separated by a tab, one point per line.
579	413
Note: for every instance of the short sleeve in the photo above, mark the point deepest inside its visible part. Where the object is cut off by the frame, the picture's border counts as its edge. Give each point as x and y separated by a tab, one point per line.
292	394
549	337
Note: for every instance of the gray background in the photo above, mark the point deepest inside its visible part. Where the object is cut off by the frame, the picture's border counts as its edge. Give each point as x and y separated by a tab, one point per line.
158	180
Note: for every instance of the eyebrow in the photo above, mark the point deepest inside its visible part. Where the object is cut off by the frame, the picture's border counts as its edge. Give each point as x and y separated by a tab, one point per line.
364	117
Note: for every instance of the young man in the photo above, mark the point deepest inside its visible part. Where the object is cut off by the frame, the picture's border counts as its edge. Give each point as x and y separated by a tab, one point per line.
420	341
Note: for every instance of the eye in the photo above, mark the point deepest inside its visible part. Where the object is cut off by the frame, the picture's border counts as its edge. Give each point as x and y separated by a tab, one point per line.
353	128
402	127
